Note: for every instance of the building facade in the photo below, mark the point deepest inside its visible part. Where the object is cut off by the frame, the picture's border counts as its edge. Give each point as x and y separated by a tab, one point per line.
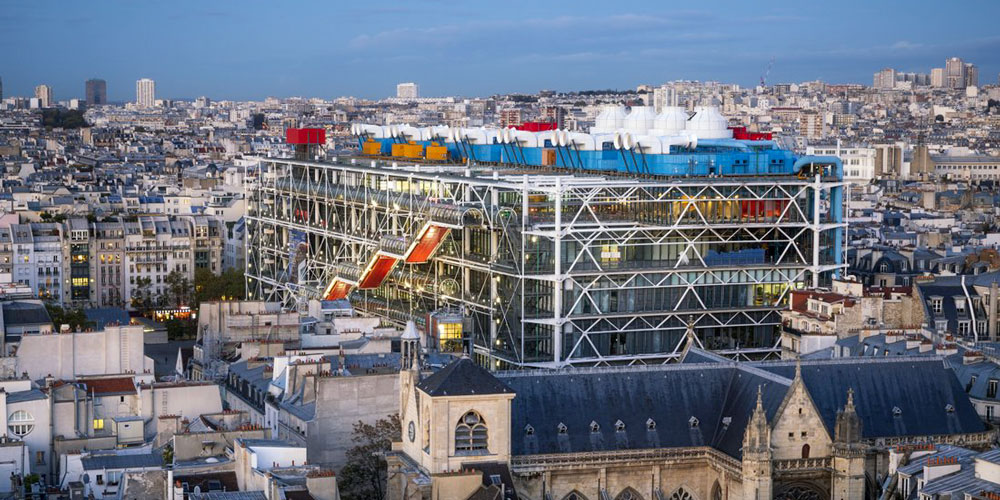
554	268
145	93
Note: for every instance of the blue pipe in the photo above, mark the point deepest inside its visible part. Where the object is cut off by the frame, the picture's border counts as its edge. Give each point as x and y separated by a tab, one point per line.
820	160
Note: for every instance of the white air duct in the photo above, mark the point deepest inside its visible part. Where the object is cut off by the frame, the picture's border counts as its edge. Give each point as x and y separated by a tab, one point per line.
413	133
524	138
479	135
611	118
708	123
672	121
640	120
374	131
646	144
583	142
440	133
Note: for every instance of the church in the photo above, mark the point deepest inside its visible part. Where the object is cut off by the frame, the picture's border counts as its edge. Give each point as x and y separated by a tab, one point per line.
706	428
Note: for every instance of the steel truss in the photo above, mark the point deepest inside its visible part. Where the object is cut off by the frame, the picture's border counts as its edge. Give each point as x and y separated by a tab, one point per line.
549	269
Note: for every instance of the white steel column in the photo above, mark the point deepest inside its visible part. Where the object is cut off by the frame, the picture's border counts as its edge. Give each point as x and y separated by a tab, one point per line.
557	288
816	232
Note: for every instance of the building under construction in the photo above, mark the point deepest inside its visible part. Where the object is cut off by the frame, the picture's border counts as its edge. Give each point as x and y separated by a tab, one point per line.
542	249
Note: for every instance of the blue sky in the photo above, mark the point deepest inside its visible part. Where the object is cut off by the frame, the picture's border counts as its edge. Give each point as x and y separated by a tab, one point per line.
250	49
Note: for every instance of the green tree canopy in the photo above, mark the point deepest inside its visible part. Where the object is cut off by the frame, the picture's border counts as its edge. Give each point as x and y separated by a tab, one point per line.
364	476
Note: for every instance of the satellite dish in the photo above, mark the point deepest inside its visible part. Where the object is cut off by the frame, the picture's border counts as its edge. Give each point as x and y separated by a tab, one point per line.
86	478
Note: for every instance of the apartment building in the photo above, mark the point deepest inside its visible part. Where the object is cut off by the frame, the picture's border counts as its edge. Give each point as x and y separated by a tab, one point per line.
79	263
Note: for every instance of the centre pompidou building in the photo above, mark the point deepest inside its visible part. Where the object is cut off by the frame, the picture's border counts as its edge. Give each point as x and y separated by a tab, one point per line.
543	249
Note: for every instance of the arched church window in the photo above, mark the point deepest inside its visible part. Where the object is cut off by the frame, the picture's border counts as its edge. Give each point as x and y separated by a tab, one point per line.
681	494
470	433
629	494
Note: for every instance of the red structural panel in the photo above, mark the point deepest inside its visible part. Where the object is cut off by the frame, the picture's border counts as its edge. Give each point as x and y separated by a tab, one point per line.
429	242
339	290
377	273
305	136
537	126
740	133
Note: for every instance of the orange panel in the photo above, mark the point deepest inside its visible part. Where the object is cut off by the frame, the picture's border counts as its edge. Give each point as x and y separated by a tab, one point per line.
429	242
338	291
377	272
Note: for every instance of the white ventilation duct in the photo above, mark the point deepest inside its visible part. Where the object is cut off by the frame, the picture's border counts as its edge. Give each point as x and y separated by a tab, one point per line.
671	121
375	131
583	142
524	138
640	120
611	118
440	133
478	135
708	123
413	133
646	144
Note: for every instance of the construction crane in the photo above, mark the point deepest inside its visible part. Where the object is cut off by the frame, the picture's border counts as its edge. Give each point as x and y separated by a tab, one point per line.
763	78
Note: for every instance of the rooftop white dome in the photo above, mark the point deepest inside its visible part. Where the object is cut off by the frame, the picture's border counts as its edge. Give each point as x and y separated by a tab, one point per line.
671	121
708	123
612	118
640	120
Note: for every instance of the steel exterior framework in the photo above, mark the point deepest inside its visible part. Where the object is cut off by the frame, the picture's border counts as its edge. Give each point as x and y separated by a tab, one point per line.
550	268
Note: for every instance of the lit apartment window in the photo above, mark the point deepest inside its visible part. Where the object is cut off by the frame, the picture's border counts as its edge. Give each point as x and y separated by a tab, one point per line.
936	304
991	388
98	424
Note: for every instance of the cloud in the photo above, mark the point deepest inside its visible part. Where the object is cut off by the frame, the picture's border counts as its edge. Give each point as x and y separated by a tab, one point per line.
905	45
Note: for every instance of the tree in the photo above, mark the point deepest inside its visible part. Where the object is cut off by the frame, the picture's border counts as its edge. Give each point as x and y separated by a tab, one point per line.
178	289
231	285
364	476
141	298
75	318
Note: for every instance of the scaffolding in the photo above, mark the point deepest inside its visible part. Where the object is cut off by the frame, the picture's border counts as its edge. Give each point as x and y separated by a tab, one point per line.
550	267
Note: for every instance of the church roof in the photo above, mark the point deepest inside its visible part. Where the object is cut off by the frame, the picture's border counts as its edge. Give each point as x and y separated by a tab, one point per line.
708	401
462	377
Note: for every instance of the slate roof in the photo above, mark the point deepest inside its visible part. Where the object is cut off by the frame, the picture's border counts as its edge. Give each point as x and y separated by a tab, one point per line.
462	378
719	396
655	404
104	315
99	462
24	313
922	388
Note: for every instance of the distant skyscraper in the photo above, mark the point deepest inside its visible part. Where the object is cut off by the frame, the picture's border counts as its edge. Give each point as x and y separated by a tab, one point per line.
145	93
44	95
937	77
971	75
407	91
884	79
955	73
96	92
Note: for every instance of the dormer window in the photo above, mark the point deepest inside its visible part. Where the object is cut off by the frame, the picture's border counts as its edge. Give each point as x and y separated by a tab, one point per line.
949	408
529	430
693	422
650	425
896	411
595	427
561	428
937	304
619	426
